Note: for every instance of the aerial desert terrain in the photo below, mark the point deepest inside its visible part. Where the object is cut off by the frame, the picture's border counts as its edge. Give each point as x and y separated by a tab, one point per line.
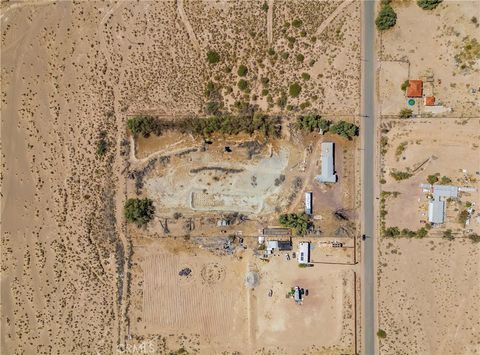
75	277
428	276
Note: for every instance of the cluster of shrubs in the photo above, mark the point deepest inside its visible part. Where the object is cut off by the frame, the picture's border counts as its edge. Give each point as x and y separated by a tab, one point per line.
312	123
394	232
300	222
269	126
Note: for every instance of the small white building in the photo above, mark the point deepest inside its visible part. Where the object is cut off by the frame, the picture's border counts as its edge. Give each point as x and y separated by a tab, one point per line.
303	254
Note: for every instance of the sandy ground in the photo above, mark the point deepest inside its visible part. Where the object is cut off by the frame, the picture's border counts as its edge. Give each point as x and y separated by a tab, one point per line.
429	296
427	42
213	302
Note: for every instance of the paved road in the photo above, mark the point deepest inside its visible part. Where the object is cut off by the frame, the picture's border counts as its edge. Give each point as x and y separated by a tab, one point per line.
368	138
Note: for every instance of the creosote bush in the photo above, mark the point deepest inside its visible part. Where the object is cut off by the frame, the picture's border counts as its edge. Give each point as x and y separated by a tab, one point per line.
242	70
295	90
428	4
213	57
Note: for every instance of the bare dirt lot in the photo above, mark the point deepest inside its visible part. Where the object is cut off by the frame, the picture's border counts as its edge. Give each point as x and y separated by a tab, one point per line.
429	298
432	46
213	302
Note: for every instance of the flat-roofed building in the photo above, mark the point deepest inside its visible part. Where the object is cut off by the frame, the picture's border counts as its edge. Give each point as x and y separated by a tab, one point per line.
328	165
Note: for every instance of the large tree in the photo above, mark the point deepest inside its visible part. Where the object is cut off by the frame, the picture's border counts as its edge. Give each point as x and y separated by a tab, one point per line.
386	18
139	211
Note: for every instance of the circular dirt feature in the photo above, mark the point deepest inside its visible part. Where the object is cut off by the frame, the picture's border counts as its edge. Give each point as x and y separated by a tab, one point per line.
252	279
212	273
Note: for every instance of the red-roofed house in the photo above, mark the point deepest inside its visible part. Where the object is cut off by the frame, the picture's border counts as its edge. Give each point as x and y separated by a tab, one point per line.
415	88
430	101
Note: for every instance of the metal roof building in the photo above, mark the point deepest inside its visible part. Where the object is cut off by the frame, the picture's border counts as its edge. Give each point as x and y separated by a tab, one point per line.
436	206
328	166
436	211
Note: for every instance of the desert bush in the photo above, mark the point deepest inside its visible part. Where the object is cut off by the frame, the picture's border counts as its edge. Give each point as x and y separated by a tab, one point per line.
344	129
213	57
400	175
445	180
242	84
432	179
300	57
282	101
381	334
300	222
305	76
475	238
139	211
242	70
295	90
405	113
265	6
404	85
448	234
422	233
392	232
297	23
387	18
428	4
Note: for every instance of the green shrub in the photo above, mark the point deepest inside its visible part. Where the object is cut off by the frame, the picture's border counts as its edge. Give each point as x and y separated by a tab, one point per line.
139	211
265	6
405	113
295	90
242	84
475	238
381	334
300	57
282	101
213	57
344	129
400	175
264	92
445	180
242	70
285	55
448	234
387	18
422	233
300	222
404	85
305	76
271	51
432	179
428	4
297	23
